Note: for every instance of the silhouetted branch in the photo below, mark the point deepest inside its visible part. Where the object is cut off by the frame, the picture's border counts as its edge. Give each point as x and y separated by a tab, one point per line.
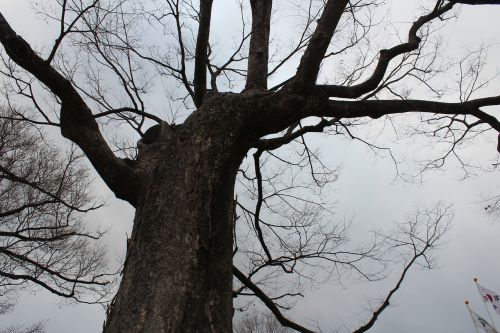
201	53
258	55
268	302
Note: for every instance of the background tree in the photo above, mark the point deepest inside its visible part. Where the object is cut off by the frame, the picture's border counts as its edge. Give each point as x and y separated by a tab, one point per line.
7	305
181	178
264	322
43	243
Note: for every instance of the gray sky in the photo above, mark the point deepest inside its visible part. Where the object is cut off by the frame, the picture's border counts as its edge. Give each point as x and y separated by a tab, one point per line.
429	301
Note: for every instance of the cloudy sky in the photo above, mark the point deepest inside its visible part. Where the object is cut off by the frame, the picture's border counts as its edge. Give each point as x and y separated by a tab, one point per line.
429	301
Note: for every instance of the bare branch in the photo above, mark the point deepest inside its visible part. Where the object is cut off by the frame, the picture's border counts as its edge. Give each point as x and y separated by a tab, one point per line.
275	143
309	66
201	53
379	108
42	239
66	30
384	59
258	56
420	234
268	302
131	110
77	121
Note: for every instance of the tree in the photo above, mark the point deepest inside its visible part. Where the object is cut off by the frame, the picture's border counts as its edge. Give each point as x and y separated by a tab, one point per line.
260	323
42	240
493	205
178	273
5	306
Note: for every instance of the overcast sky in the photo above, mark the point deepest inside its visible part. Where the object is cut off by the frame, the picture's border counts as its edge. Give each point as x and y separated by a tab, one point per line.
429	301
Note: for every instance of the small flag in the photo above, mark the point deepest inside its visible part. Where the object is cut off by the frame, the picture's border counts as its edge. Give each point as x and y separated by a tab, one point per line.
489	296
481	323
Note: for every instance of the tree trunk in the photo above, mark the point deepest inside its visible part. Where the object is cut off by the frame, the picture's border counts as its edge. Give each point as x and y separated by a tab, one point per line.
178	272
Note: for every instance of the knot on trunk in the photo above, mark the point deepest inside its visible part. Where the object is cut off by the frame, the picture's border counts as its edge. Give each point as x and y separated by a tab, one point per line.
155	133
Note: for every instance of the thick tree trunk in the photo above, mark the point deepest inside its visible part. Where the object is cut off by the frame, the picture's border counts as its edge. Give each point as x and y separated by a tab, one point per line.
178	273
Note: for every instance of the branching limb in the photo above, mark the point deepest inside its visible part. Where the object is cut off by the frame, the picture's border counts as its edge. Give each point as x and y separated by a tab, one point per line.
65	27
6	174
77	122
378	108
290	135
131	110
216	71
309	66
268	302
258	206
385	58
175	11
42	239
419	235
311	17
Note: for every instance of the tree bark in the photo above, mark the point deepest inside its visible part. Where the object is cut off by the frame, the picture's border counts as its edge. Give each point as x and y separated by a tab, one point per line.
178	272
258	54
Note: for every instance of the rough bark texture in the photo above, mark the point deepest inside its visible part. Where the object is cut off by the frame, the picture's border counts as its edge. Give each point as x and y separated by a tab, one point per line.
178	273
258	56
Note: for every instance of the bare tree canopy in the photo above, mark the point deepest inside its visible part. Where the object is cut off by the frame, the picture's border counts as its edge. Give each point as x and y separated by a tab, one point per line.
209	118
42	197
